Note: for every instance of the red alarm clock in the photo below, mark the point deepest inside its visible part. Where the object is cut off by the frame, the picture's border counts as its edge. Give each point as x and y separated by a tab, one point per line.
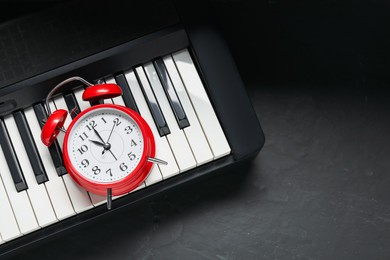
108	149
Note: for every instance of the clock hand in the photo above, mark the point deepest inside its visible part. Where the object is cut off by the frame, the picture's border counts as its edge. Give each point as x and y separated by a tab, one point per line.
96	142
98	135
108	139
113	155
112	129
106	146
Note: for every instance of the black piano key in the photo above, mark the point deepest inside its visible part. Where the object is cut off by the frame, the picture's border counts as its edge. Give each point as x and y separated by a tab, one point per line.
31	149
96	102
127	96
72	105
155	109
56	156
54	149
170	91
12	160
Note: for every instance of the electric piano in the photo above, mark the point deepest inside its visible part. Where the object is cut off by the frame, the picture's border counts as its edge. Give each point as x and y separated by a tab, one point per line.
174	69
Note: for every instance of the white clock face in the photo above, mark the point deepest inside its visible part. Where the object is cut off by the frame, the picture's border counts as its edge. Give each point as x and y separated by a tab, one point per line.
105	145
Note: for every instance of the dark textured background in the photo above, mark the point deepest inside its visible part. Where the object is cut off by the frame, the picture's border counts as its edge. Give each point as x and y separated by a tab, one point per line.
319	189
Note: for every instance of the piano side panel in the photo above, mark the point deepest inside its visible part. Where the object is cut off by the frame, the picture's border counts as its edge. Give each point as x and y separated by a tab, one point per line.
226	90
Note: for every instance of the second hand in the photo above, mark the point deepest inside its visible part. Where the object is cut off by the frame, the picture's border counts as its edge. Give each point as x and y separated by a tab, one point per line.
109	136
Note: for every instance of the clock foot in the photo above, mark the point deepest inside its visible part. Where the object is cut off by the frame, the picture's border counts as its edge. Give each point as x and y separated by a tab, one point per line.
109	198
156	160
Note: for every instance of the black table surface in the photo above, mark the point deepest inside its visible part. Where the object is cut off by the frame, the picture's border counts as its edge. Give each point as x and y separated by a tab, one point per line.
320	187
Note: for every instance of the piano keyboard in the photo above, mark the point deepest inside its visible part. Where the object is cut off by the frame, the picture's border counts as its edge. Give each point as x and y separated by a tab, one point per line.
35	190
174	69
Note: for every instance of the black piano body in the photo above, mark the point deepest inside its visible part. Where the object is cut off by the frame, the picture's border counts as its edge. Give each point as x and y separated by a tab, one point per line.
97	40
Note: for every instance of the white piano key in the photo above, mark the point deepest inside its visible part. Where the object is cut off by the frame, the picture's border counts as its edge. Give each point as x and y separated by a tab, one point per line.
97	199
78	93
20	202
108	101
116	100
201	103
37	193
177	140
194	132
154	176
79	197
163	151
55	186
8	226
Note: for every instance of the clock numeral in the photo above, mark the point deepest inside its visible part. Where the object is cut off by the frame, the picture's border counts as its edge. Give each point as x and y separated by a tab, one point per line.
128	130
83	136
109	172
92	124
104	120
117	122
131	156
133	143
83	149
85	163
96	170
123	167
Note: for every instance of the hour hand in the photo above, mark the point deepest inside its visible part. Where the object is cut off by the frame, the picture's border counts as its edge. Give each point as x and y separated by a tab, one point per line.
97	142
